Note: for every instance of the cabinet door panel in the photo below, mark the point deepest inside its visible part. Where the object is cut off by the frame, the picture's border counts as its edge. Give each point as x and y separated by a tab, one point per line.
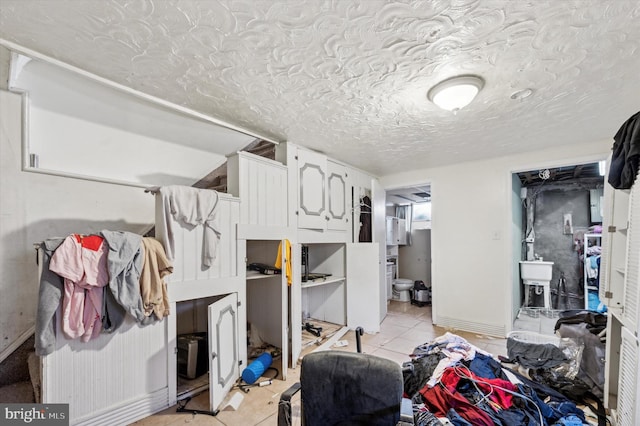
223	348
312	176
337	197
363	286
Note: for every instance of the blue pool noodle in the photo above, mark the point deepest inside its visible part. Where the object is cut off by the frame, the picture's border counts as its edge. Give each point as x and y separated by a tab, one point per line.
256	368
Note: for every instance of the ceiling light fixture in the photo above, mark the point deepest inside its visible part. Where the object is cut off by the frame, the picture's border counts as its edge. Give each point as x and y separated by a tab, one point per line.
455	93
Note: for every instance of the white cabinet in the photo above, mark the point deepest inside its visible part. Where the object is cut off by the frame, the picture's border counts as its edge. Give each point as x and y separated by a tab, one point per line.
322	193
223	348
343	288
363	295
614	247
622	274
402	232
396	231
338	209
392	231
628	412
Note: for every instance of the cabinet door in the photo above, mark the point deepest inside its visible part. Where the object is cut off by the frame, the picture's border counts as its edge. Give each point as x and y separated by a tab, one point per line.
392	231
337	208
312	179
402	232
223	348
363	286
628	380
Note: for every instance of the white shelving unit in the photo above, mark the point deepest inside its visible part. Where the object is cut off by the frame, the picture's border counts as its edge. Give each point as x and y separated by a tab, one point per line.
620	286
590	240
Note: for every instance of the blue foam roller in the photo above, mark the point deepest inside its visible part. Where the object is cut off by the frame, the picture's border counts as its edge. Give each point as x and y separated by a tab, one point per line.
256	368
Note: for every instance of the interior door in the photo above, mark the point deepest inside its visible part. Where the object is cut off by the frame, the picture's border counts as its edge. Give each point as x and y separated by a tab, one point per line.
363	286
223	348
379	198
312	196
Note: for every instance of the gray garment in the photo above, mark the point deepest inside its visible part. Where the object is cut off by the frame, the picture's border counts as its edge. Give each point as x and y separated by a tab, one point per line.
532	355
49	297
593	356
122	295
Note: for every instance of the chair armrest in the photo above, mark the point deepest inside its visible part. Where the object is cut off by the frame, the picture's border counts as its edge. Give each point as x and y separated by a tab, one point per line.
284	406
406	412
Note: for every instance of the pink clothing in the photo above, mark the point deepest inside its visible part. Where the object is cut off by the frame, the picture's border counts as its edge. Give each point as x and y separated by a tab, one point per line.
82	262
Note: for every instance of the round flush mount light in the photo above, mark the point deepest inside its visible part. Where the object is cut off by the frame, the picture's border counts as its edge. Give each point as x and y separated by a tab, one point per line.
455	93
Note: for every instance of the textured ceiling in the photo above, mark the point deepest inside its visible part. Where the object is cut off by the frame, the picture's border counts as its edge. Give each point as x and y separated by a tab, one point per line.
349	78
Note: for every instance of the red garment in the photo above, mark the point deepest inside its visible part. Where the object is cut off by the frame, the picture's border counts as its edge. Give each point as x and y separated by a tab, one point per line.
451	379
439	400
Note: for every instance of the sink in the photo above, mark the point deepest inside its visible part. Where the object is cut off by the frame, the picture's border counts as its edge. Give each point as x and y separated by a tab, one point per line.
535	271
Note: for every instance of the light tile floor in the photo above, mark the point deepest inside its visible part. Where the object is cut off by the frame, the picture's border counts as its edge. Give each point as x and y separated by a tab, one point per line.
405	327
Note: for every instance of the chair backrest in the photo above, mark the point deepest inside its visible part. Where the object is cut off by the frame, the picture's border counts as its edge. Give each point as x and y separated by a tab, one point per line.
345	388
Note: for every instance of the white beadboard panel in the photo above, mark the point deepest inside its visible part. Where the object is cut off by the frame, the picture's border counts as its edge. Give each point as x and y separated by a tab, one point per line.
632	273
97	376
188	243
628	380
261	184
130	411
474	327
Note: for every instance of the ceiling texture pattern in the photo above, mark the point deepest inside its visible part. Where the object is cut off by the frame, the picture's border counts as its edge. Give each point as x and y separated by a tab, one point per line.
350	78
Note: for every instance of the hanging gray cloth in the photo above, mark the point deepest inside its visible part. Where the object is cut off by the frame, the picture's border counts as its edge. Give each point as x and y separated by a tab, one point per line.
625	158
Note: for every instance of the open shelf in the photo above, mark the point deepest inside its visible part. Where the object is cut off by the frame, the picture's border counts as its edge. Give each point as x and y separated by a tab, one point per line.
255	275
321	281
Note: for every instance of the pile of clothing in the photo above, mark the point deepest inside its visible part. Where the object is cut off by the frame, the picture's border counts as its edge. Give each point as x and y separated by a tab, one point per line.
99	279
453	379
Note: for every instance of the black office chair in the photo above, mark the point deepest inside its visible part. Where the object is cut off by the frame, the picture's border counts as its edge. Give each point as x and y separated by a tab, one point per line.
345	388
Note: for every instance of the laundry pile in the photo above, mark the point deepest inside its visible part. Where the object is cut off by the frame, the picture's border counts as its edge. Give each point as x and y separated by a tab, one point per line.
452	379
99	279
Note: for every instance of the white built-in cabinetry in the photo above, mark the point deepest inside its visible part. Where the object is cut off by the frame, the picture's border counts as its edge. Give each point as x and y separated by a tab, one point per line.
620	290
396	231
126	375
347	296
262	185
322	192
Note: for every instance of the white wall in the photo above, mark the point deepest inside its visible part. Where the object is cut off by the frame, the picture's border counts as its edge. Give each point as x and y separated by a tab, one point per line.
472	261
36	206
79	126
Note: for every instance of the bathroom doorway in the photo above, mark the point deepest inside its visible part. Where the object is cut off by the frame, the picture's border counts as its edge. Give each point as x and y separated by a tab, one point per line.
408	213
554	211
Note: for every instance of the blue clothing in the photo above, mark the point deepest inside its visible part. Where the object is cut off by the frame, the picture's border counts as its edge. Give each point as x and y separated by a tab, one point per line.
455	418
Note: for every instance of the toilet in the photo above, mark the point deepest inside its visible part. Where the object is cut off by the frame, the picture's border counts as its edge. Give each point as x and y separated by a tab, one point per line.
401	288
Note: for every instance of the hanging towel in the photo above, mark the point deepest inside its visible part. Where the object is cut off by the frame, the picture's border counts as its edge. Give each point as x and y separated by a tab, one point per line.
625	158
191	207
122	295
82	262
153	289
287	259
49	296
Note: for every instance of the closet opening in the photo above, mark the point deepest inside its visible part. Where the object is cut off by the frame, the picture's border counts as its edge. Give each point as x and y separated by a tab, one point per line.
323	292
267	307
192	335
408	241
557	215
